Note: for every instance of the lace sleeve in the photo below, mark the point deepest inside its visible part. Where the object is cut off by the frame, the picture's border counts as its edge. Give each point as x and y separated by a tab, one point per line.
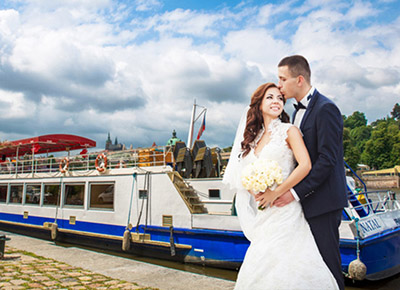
284	130
279	130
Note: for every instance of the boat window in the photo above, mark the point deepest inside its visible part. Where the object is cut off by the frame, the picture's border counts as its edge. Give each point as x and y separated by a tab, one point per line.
102	196
51	194
74	194
3	192
16	193
32	195
214	193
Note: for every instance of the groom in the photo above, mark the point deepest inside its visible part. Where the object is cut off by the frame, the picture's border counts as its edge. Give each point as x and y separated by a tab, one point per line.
322	193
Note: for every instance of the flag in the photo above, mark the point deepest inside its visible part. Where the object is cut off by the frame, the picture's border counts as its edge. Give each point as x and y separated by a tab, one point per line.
35	148
83	153
202	127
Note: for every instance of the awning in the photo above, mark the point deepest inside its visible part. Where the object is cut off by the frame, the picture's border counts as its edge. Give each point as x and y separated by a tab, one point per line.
393	171
44	144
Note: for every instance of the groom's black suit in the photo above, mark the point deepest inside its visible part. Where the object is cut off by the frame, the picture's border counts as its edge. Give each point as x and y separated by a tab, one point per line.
323	192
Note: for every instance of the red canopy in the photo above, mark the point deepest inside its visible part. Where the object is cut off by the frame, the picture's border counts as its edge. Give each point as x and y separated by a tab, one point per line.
45	144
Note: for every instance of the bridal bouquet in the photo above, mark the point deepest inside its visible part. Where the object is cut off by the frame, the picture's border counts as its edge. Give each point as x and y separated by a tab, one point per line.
261	174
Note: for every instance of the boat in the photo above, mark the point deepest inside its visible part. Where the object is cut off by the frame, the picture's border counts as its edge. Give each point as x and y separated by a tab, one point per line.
135	199
166	202
373	218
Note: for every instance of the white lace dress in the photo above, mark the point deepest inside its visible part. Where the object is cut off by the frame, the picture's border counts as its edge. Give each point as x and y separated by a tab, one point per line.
282	253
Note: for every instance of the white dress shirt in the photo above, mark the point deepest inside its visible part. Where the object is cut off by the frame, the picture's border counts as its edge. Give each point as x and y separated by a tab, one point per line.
297	121
300	113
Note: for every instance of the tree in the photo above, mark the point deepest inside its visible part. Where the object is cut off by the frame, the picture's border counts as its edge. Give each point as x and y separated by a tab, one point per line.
395	154
351	152
396	112
360	135
357	119
346	139
381	149
377	144
352	157
355	135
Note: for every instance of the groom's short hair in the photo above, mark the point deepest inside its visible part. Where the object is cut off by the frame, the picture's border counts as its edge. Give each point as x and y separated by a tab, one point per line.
297	65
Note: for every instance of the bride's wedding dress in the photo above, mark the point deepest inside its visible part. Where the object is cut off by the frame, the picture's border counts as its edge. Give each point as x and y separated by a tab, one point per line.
282	253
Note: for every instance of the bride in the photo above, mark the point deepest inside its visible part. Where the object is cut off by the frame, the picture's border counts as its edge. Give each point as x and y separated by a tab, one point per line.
282	252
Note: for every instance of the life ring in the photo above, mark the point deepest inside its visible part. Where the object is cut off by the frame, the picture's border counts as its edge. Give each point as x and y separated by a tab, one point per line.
64	165
103	164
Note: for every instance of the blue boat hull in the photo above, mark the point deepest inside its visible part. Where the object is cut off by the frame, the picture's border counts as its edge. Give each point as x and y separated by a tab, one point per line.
380	253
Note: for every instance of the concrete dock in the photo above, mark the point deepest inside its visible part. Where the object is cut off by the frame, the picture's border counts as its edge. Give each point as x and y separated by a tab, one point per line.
31	263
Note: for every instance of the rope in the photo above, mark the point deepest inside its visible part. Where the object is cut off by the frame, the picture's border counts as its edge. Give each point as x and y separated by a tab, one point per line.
140	216
130	203
147	199
58	200
145	186
357	269
358	237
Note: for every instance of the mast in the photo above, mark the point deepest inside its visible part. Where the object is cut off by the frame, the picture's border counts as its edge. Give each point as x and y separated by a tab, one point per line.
193	121
190	136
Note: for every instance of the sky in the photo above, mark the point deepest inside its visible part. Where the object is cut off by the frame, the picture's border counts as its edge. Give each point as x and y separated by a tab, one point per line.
134	68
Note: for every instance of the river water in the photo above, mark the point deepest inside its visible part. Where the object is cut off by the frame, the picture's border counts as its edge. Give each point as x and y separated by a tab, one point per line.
386	284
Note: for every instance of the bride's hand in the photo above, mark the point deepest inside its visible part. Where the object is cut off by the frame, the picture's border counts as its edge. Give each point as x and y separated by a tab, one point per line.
252	193
266	198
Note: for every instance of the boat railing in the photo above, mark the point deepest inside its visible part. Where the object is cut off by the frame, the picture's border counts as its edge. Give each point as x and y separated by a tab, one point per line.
142	157
373	202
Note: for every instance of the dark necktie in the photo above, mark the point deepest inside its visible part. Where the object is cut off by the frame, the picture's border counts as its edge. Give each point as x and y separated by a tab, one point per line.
299	106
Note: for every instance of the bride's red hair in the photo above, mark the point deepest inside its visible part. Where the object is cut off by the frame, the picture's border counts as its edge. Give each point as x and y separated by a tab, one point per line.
255	118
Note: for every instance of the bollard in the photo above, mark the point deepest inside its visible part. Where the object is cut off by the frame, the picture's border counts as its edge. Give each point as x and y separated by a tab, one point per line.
3	240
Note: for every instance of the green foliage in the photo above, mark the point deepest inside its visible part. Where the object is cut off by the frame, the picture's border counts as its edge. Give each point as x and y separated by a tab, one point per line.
351	152
360	135
377	144
396	112
352	157
357	119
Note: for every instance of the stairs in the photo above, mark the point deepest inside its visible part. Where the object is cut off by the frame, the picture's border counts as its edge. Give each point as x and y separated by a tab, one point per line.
188	193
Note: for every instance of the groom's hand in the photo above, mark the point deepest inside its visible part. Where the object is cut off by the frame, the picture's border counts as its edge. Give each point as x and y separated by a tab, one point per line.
284	199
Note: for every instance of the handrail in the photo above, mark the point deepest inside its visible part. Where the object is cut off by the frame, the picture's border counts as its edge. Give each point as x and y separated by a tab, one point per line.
377	201
356	175
143	157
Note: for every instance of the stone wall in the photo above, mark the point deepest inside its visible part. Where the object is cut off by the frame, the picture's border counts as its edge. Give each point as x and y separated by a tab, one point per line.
382	181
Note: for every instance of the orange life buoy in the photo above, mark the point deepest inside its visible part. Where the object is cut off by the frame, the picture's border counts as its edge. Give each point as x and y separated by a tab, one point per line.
103	165
64	165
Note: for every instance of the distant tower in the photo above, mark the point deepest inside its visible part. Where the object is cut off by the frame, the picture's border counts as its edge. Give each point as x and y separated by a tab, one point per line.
113	147
108	142
173	139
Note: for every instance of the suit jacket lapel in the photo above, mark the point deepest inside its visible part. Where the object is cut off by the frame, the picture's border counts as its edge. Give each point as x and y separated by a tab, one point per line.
293	115
309	108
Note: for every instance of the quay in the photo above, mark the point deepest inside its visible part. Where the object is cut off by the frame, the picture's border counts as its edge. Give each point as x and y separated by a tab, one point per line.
31	263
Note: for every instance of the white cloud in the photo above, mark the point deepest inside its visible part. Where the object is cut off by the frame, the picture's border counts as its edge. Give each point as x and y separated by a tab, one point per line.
9	21
52	5
145	5
15	106
256	47
186	22
360	10
93	67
